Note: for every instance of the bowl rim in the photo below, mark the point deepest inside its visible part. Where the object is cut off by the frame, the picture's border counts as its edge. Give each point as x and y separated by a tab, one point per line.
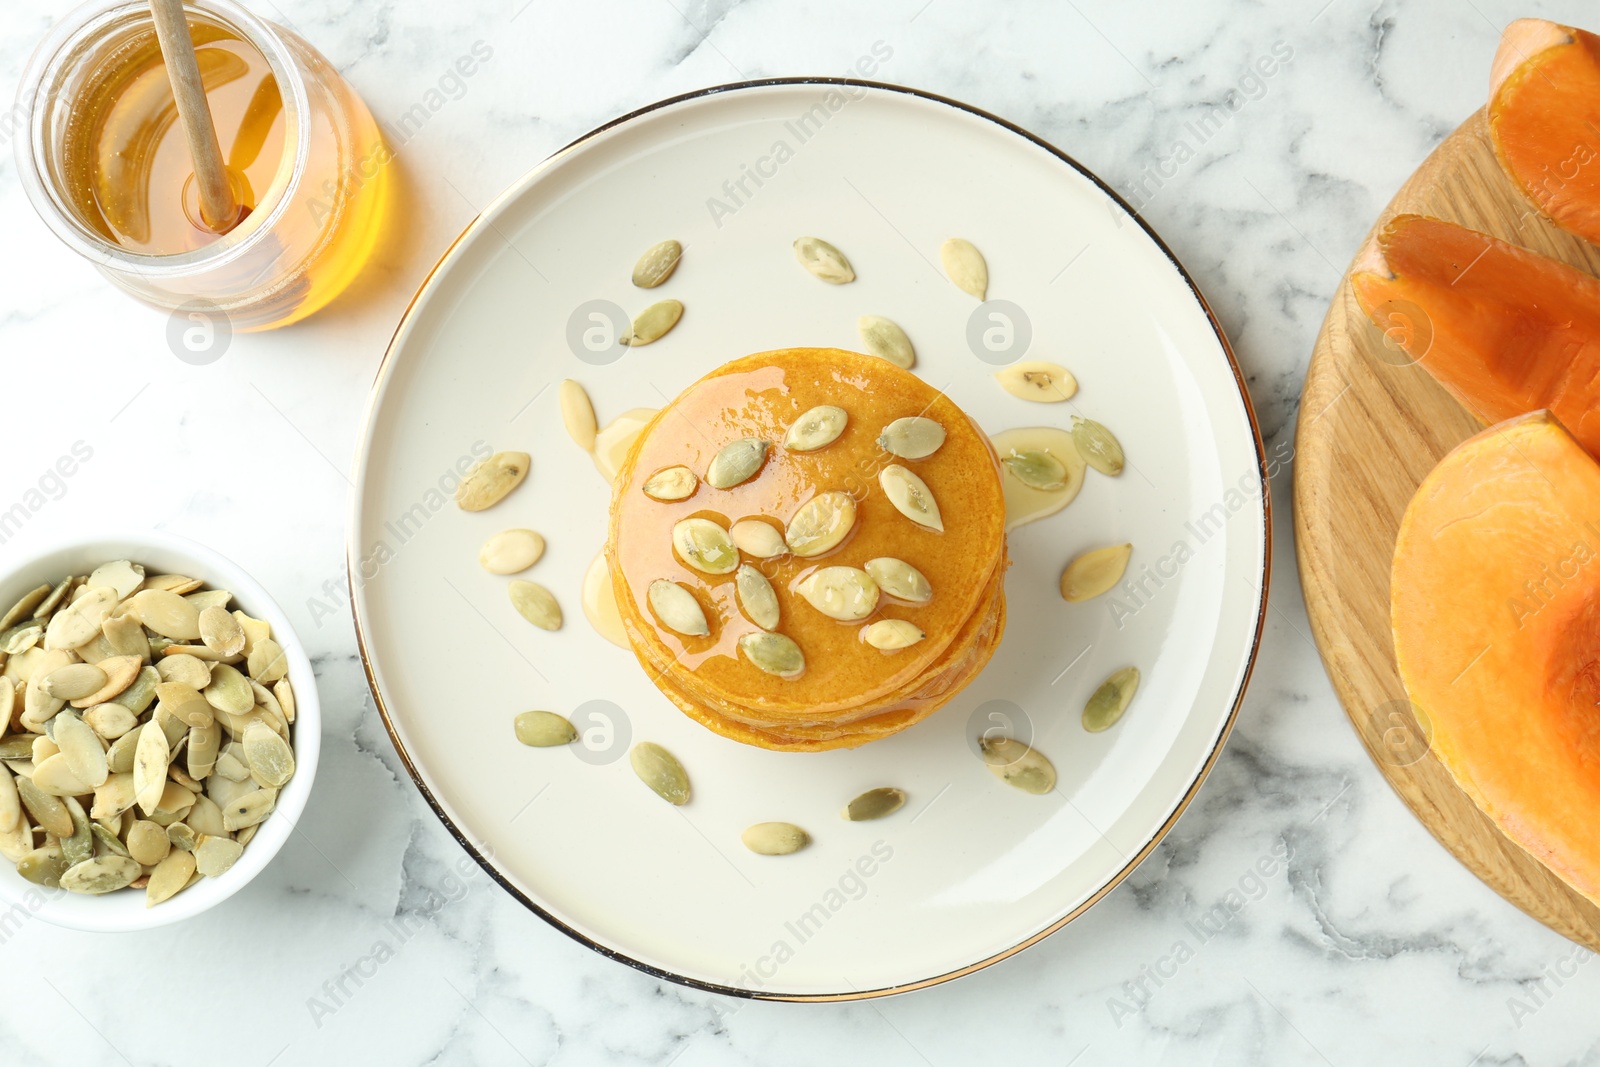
121	912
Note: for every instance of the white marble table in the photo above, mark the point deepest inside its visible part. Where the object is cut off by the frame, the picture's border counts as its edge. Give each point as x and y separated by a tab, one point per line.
374	939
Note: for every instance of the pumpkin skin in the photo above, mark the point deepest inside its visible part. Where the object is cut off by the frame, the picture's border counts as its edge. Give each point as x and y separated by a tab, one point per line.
1495	607
1506	331
1544	120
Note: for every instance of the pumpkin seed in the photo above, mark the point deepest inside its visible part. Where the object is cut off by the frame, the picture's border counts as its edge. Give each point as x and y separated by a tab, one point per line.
214	855
147	842
773	653
122	575
874	804
254	630
120	672
79	623
671	483
114	797
1094	572
53	599
913	437
184	669
1036	380
1036	469
221	632
900	579
209	598
10	803
285	694
231	767
657	264
267	662
16	748
73	681
823	260
229	691
775	838
757	597
189	707
821	524
544	729
44	866
1109	701
245	836
21	637
270	757
886	340
757	538
173	583
8	702
843	593
891	635
536	604
150	761
204	741
170	877
204	818
45	810
17	841
817	428
705	546
79	845
661	771
911	496
678	609
103	874
736	462
577	415
137	697
1017	764
110	721
166	613
249	809
126	637
490	481
107	839
1099	448
37	705
654	322
54	776
85	753
44	746
965	265
24	606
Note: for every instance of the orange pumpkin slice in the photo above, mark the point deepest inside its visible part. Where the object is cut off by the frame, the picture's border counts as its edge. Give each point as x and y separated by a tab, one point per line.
1495	605
1544	119
1505	330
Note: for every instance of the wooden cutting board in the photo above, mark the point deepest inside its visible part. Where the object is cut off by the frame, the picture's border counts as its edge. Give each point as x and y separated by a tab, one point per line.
1372	425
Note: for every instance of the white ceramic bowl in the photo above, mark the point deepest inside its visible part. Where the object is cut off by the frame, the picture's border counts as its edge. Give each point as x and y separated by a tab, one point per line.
163	553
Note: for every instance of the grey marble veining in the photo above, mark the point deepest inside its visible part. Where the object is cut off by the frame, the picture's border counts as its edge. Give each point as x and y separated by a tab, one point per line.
1296	914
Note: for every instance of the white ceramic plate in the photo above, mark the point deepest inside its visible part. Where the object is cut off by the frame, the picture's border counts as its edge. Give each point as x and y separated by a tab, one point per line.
971	870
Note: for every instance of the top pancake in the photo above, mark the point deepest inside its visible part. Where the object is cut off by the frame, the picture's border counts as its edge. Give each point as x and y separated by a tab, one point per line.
761	396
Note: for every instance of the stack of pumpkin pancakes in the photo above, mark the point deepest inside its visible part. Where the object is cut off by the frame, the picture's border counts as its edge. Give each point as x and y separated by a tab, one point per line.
830	515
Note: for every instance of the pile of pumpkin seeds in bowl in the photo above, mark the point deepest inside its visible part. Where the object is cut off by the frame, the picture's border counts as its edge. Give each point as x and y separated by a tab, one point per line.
145	732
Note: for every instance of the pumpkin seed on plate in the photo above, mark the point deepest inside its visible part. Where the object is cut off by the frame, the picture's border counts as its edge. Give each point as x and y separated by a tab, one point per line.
137	697
189	707
81	746
21	637
1094	572
1017	764
122	575
79	622
489	482
661	771
110	720
705	546
657	264
891	635
816	428
120	672
775	838
843	593
173	583
511	551
150	761
577	414
24	606
671	483
166	613
773	653
756	597
821	524
209	598
44	866
267	663
220	631
228	690
10	803
103	874
544	729
1109	701
16	842
913	437
1037	380
248	810
1099	448
285	694
270	757
73	681
1036	469
54	776
184	669
736	462
677	608
170	877
911	496
874	804
885	339
900	579
823	260
965	265
78	846
147	842
201	757
757	538
53	599
126	637
214	855
113	798
654	322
